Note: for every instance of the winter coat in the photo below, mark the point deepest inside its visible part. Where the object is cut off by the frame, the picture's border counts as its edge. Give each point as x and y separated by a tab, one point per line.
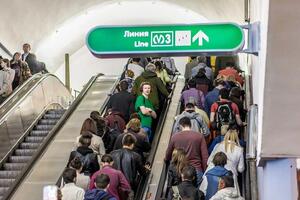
210	181
198	124
164	76
229	193
157	87
98	194
116	121
130	163
187	191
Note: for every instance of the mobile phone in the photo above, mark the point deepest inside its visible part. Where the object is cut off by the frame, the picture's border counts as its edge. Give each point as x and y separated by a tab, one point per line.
50	192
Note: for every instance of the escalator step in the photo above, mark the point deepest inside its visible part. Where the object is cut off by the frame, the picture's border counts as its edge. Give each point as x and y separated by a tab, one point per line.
43	127
48	121
26	145
19	159
24	152
52	116
9	174
14	166
39	133
34	139
6	182
61	111
3	190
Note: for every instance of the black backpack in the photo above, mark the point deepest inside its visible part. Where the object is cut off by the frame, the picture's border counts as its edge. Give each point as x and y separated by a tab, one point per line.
86	161
225	115
109	139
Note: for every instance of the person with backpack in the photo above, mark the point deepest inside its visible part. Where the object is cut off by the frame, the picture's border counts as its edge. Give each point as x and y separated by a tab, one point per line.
224	111
115	120
192	94
70	191
198	124
118	186
209	185
193	144
122	101
100	192
88	158
186	189
145	109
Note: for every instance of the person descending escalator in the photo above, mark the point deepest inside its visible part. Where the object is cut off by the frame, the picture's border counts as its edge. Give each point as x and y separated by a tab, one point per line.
145	109
129	162
86	155
197	123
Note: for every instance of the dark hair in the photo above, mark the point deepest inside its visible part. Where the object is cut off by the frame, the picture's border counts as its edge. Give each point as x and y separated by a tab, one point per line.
85	139
220	159
89	125
106	158
7	62
185	122
192	83
228	181
26	44
233	126
135	115
193	57
123	85
224	93
136	59
235	92
102	180
76	163
230	64
188	173
128	139
95	115
15	55
69	175
190	105
159	65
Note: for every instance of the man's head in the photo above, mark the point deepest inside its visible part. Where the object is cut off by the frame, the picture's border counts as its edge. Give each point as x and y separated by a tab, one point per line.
107	160
201	59
102	181
69	175
220	159
185	123
26	48
192	83
224	94
136	60
85	139
150	67
145	88
188	173
128	141
226	181
123	85
190	107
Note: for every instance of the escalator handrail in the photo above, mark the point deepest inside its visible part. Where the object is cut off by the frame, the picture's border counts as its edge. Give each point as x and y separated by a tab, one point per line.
16	104
49	137
142	187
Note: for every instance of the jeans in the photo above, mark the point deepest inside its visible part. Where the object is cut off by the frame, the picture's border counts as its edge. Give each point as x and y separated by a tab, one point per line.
199	177
149	133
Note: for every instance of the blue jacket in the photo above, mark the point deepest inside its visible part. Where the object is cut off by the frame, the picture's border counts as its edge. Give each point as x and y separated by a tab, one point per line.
98	194
212	177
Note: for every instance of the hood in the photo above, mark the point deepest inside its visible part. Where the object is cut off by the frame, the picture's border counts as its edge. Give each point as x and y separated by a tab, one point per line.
149	74
230	193
192	115
217	171
95	194
84	150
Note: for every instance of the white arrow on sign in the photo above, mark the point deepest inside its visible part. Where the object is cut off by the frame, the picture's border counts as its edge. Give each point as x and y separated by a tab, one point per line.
201	36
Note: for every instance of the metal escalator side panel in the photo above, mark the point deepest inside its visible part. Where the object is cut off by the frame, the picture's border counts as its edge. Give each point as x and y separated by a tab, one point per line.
54	154
158	162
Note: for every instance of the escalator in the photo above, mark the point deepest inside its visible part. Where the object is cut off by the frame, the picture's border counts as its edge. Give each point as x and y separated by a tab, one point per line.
19	157
50	159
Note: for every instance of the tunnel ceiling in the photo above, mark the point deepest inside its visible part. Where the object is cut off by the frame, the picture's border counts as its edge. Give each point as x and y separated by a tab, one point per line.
32	20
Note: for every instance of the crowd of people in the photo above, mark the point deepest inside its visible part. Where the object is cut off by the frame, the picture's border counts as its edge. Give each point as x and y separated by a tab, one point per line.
110	154
16	71
205	154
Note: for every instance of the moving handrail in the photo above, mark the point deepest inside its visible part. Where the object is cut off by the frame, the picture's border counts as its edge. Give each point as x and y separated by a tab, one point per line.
50	136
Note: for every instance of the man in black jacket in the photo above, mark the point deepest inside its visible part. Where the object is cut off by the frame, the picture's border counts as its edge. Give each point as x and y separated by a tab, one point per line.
122	101
128	161
30	58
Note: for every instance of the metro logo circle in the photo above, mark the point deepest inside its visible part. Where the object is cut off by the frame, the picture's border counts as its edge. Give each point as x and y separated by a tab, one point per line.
165	40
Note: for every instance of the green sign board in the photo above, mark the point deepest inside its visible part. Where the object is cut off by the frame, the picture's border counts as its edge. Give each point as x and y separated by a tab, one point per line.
165	40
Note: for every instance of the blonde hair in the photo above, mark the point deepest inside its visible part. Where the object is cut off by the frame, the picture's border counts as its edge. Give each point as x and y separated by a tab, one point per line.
231	140
179	160
134	124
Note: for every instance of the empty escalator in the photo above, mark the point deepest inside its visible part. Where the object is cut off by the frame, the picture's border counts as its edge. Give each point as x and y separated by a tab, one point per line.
13	164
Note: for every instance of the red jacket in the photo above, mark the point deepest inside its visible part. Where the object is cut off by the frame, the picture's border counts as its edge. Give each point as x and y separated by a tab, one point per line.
115	120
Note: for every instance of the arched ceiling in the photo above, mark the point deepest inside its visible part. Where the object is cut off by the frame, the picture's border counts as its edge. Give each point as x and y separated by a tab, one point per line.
34	20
